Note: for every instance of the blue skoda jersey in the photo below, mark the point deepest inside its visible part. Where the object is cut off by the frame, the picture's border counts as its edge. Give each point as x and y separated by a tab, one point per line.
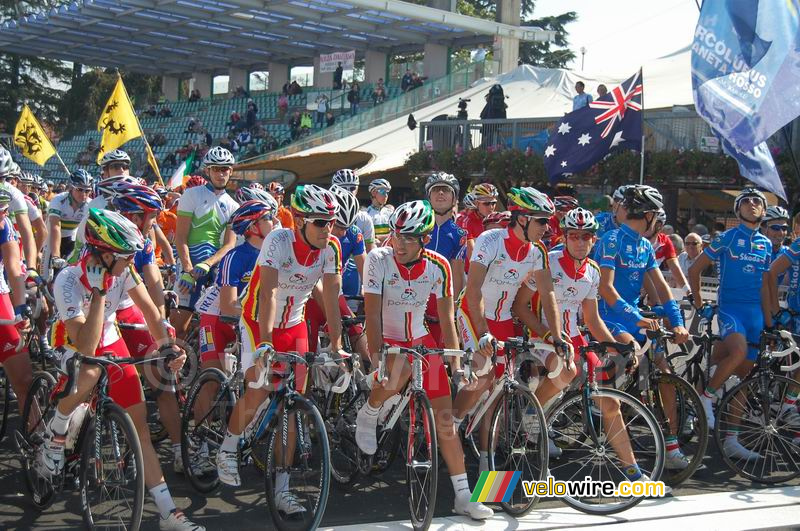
607	224
744	255
352	244
793	296
630	256
449	240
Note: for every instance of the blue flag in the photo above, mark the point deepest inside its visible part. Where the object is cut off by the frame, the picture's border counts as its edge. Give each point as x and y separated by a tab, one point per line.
585	136
756	165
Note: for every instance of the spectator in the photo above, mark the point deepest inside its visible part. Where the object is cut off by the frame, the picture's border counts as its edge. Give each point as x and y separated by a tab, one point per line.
294	125
258	132
582	99
244	139
330	119
379	93
286	88
405	82
416	81
252	151
677	242
295	88
669	230
195	96
207	138
306	123
337	77
322	108
240	92
283	107
233	122
165	112
158	139
700	229
354	97
693	246
250	116
226	143
151	111
601	91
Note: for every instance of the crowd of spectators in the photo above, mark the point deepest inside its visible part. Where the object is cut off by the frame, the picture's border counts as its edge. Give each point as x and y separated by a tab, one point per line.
411	80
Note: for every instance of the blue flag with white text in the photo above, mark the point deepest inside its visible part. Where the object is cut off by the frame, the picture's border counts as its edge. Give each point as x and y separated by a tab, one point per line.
583	137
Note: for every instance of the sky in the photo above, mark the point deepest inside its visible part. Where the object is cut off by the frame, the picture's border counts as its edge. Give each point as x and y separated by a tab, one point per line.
620	35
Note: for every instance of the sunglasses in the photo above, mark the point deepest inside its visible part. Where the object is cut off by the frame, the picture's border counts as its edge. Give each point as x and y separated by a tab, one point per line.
350	188
83	190
582	237
383	191
405	239
693	244
752	200
491	203
119	166
779	228
322	222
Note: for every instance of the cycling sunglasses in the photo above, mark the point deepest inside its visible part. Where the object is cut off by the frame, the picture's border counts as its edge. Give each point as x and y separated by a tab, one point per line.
82	189
119	166
322	222
575	236
780	228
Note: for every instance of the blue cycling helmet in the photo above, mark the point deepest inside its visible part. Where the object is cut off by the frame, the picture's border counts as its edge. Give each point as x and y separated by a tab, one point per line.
137	199
248	214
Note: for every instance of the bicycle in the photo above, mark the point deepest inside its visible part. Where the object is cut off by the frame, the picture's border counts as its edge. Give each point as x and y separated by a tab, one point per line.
695	369
674	401
752	411
517	434
580	429
285	419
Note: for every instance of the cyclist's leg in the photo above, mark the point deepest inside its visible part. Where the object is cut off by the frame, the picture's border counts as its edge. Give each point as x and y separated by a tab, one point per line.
17	364
467	397
316	319
187	301
734	332
214	337
550	387
610	408
358	339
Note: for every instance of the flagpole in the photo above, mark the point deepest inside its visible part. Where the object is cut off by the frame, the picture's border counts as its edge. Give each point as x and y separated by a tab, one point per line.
641	163
148	149
62	163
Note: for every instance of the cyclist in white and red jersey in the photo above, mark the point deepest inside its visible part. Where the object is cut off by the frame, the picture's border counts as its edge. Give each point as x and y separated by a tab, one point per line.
290	264
18	209
665	252
397	282
501	261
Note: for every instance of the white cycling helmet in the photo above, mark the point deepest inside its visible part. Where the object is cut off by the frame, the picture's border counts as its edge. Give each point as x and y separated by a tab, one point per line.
661	216
111	186
116	155
415	218
348	206
748	192
640	199
619	193
579	219
441	178
250	193
312	201
775	212
345	177
218	156
469	200
379	183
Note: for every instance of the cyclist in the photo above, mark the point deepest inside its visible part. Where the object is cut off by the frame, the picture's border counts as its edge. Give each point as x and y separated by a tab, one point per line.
501	261
446	239
665	251
395	316
351	276
563	204
576	279
277	191
485	197
16	363
775	226
87	296
627	261
379	211
18	210
65	213
202	236
611	220
290	264
744	256
469	205
24	182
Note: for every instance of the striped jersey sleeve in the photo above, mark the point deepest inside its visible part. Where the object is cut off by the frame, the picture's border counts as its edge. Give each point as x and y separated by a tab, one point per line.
443	286
333	257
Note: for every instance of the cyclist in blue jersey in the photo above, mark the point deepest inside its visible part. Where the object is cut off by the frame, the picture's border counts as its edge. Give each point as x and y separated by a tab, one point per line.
351	278
626	261
775	226
744	257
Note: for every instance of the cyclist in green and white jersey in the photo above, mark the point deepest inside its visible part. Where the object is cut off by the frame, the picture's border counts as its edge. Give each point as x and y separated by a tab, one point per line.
379	210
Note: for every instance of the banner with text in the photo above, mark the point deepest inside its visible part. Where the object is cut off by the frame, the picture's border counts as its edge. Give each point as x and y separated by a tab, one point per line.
329	61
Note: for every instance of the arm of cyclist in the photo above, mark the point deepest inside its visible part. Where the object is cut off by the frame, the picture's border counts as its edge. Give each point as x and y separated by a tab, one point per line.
155	287
677	273
373	325
228	301
55	235
157	326
39	233
696	269
31	254
266	305
449	334
457	268
84	332
522	311
16	281
331	286
360	260
673	311
228	241
544	284
777	268
182	226
163	243
474	299
611	296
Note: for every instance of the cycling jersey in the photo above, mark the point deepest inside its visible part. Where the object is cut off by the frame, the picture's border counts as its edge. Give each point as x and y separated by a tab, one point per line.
571	286
744	255
142	258
607	223
17	205
472	222
554	235
405	290
33	211
299	269
664	248
448	239
380	219
783	278
352	243
209	211
366	226
7	234
792	252
235	269
69	214
509	262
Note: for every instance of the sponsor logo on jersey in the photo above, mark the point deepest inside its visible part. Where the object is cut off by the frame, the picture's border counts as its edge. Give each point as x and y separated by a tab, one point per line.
408	294
297	278
749	268
511	274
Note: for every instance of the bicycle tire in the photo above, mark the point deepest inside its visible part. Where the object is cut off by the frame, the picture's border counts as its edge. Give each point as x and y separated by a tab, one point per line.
196	440
116	421
422	455
519	414
41	489
5	397
689	370
778	435
571	408
308	463
341	410
693	426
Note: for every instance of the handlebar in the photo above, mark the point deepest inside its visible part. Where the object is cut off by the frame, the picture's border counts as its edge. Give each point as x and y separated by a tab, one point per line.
601	347
308	359
789	339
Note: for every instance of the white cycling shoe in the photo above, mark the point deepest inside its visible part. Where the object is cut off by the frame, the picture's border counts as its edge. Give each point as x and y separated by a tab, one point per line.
287	503
228	468
177	521
51	455
475	510
733	448
676	461
366	424
708	407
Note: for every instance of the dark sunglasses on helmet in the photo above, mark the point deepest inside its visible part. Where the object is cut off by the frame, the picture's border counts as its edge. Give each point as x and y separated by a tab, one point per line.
779	228
322	222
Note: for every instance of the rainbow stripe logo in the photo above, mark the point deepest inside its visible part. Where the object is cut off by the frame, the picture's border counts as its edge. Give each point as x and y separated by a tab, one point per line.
495	487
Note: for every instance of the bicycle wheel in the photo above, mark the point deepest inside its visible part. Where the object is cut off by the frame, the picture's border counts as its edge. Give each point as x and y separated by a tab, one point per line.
577	422
32	431
5	397
518	442
298	465
691	426
340	421
422	467
203	428
751	413
683	365
112	472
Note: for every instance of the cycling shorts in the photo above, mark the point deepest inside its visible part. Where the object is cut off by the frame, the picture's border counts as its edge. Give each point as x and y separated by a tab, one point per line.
214	337
501	330
742	318
616	329
9	335
292	339
432	321
434	375
187	300
139	342
316	319
124	385
67	246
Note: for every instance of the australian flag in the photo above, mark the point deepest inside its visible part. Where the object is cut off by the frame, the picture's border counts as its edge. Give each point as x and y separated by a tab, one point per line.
585	136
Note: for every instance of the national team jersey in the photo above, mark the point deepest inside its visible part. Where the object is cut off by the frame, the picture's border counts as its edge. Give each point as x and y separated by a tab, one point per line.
17	205
607	223
472	223
299	269
792	252
366	226
72	298
235	269
630	256
664	248
7	234
783	279
209	212
352	243
554	235
33	211
571	287
405	291
380	219
744	255
509	262
449	240
69	214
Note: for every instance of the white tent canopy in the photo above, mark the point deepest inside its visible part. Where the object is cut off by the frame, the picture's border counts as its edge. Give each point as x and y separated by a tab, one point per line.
532	93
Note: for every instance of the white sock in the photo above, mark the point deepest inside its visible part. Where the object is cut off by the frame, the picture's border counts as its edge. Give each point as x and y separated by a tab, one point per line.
281	482
230	443
460	485
163	499
372	411
60	423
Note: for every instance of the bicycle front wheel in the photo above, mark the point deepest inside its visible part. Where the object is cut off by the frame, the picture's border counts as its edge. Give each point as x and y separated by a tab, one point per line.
594	432
298	466
34	425
422	460
5	398
758	438
518	442
340	420
112	472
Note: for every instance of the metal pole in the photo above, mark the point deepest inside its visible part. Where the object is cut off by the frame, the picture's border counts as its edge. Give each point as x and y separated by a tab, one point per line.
62	163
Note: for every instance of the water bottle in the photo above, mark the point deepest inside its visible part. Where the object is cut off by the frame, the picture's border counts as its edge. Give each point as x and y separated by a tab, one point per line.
75	423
